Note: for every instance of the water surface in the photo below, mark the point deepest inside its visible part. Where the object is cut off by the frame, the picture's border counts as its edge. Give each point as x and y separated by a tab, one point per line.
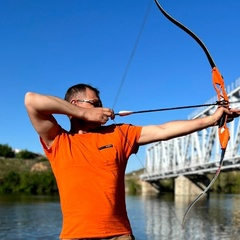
152	217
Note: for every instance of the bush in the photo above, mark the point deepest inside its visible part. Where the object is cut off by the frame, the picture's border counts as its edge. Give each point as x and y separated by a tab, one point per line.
25	154
29	182
11	182
133	186
6	151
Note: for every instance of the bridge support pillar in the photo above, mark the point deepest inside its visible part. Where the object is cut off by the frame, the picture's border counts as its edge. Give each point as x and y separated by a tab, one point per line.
185	186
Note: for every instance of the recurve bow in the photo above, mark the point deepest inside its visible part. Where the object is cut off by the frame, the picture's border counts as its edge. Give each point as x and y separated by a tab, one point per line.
218	84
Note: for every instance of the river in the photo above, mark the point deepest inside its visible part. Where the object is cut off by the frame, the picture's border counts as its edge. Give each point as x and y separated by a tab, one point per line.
152	217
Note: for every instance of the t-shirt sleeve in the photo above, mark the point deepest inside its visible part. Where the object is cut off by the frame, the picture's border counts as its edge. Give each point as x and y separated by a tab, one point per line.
129	136
51	151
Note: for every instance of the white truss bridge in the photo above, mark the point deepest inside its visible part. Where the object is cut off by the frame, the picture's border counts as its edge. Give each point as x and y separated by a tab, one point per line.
197	153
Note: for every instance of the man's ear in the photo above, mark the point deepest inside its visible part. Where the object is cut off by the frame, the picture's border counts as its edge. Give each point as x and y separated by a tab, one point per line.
73	101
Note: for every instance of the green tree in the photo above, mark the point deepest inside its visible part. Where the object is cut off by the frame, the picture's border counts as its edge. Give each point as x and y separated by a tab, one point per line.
10	182
6	151
29	182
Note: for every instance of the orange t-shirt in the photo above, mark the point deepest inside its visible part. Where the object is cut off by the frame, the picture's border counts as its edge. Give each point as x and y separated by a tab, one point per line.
89	170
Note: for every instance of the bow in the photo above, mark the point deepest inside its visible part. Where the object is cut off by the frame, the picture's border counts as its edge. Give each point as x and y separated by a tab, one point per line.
218	84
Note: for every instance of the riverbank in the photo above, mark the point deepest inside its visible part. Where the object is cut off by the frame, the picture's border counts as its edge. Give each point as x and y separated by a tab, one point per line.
26	176
35	177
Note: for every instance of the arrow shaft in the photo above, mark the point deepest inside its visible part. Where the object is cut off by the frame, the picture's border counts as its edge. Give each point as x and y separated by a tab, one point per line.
126	113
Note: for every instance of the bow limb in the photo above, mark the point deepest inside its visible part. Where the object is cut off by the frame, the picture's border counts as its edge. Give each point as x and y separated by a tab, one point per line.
218	84
188	31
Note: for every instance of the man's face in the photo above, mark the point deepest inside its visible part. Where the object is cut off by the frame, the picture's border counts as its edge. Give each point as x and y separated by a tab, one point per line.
88	99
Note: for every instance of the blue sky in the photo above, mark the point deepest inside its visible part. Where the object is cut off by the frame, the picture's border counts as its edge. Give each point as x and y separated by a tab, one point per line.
48	45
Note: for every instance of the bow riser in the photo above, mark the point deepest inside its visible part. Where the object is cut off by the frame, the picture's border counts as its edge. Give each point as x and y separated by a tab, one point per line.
218	83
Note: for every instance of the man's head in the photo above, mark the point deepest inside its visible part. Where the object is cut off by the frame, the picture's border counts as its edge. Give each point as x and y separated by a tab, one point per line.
84	95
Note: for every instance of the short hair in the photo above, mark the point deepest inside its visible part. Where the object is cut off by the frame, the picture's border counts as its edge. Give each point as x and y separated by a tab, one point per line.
79	88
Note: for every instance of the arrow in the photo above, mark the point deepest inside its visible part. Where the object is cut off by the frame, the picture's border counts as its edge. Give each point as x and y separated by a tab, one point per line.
126	113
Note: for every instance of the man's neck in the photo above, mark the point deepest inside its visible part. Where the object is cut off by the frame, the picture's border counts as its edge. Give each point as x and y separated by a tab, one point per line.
83	127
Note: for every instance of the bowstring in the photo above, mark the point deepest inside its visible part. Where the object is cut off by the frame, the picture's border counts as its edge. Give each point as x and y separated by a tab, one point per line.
131	145
125	75
205	190
132	53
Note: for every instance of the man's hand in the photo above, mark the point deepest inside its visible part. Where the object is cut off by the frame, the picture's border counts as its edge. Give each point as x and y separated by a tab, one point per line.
100	115
231	113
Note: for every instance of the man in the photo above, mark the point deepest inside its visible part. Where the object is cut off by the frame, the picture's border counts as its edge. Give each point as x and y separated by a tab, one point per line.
89	160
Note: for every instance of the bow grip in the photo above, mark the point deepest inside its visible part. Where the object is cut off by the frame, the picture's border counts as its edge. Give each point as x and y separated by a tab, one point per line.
223	131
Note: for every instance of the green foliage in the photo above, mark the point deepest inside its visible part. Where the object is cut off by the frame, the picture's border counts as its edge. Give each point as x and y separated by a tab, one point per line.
167	185
133	186
29	182
25	154
10	183
6	151
228	182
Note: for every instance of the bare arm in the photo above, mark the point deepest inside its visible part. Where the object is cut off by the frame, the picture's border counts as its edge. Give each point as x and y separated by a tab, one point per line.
180	128
41	108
